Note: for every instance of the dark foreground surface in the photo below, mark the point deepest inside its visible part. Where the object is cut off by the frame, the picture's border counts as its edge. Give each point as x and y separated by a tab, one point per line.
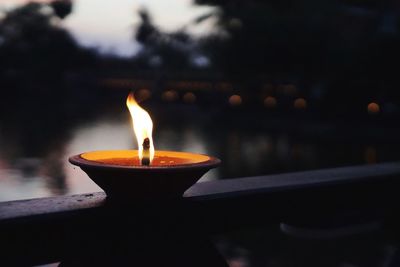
334	217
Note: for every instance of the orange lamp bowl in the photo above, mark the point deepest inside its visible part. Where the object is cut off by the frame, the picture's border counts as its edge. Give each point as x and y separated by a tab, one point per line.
120	175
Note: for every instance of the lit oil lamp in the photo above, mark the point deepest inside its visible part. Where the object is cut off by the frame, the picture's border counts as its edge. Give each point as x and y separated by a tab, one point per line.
143	173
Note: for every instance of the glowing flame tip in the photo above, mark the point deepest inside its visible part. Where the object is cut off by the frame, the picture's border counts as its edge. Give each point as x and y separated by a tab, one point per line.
142	126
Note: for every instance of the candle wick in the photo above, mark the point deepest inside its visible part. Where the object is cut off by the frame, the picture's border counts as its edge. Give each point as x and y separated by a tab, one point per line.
146	152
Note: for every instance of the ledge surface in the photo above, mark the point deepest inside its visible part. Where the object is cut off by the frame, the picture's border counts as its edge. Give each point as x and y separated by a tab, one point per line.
217	191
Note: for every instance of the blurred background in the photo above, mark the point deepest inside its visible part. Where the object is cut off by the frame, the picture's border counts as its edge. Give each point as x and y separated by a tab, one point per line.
267	86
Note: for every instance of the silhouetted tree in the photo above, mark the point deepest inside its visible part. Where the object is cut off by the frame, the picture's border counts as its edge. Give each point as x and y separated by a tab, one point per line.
32	39
163	50
39	61
62	8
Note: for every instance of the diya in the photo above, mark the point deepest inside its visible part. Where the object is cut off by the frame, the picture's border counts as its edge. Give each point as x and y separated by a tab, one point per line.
146	172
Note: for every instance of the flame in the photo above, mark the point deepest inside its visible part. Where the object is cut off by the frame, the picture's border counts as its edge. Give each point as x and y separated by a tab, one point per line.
142	125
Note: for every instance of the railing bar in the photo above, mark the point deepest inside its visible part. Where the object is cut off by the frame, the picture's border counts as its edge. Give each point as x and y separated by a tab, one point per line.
208	191
277	182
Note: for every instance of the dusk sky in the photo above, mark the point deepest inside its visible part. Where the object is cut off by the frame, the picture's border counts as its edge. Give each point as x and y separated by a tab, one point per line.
109	25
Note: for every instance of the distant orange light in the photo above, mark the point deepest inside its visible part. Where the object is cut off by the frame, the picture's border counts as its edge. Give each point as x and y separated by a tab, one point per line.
270	102
373	108
300	103
143	94
189	98
235	100
170	95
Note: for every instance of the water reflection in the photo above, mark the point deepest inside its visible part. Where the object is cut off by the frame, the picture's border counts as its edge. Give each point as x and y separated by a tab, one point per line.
28	171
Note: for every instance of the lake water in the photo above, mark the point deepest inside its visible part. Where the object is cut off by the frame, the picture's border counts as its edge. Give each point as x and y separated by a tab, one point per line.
35	164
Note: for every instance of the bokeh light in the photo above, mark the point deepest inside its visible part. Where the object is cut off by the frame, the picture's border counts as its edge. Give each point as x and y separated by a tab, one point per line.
270	102
373	108
142	94
300	103
235	100
189	98
170	95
